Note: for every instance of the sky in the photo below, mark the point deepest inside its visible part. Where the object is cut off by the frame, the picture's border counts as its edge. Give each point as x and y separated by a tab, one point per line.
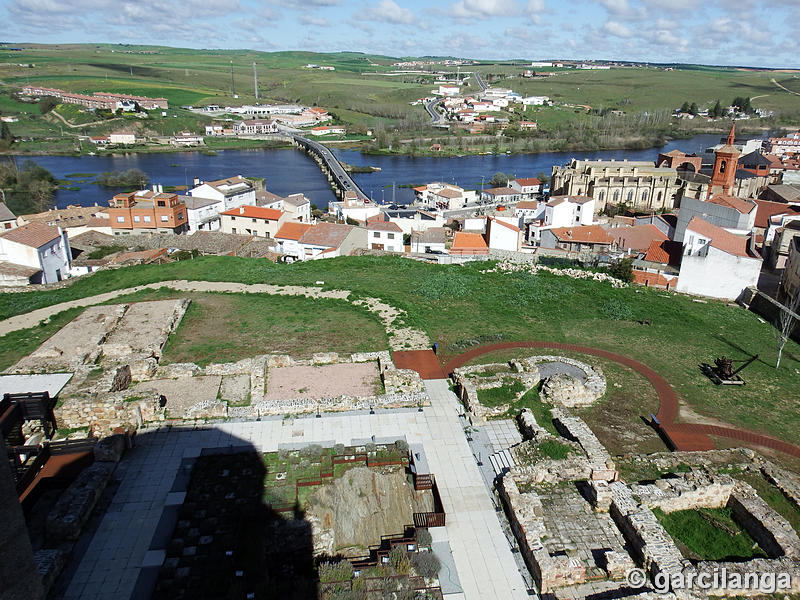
717	32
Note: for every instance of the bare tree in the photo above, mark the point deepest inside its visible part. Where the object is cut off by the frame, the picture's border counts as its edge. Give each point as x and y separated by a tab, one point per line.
785	323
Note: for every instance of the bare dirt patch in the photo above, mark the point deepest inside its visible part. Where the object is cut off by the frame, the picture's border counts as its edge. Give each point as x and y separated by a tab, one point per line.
181	393
325	381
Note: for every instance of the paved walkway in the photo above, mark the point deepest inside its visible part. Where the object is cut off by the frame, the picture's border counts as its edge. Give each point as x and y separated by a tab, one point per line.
684	436
481	553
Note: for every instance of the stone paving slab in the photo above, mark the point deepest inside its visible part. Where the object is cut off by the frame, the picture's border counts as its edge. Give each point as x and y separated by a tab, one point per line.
481	553
503	433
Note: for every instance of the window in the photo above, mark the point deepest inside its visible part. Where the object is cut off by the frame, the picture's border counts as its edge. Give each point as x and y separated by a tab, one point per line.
390	236
136	219
161	203
233	230
722	166
164	218
254	220
180	216
147	218
377	234
120	219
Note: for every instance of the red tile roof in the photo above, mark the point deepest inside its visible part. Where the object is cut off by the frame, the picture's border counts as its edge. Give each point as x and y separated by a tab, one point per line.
528	181
292	231
665	252
527	204
743	206
468	241
652	279
330	235
588	234
33	234
504	224
767	209
254	212
383	226
720	239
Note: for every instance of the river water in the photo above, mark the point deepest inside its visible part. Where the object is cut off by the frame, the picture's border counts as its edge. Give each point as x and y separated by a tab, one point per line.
289	171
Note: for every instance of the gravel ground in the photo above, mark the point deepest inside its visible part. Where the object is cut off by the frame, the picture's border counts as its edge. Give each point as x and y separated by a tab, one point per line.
326	381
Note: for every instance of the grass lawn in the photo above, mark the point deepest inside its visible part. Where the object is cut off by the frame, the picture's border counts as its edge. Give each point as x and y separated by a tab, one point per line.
459	307
230	327
709	534
18	344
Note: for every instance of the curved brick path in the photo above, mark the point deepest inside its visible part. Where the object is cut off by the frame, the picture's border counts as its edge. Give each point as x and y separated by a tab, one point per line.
684	436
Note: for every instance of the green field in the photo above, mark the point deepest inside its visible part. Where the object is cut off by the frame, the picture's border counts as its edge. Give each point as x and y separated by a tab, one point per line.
458	306
364	94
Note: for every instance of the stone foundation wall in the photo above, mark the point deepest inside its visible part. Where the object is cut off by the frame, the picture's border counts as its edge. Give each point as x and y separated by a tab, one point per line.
691	490
573	428
758	566
773	533
525	517
107	412
648	540
786	482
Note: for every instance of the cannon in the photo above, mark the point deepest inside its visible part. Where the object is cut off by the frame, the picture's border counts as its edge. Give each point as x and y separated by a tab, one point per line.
723	373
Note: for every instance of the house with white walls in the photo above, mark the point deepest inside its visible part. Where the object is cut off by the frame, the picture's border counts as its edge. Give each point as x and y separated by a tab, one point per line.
233	192
34	253
252	220
502	235
716	262
528	187
385	235
8	220
202	213
430	241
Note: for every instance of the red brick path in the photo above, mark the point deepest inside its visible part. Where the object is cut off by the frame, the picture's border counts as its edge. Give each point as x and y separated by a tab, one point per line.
684	436
423	362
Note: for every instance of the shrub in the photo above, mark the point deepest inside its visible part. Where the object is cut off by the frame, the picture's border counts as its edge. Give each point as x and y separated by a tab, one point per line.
617	310
424	537
401	445
371	448
622	269
311	451
426	564
400	561
335	571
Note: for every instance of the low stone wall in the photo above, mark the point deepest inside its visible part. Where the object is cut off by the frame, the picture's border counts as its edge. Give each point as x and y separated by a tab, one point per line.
337	404
573	428
525	517
531	430
468	384
785	481
73	508
106	412
574	468
648	540
773	533
691	490
594	382
743	570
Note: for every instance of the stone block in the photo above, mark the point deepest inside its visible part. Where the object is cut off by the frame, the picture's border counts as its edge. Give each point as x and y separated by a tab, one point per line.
73	508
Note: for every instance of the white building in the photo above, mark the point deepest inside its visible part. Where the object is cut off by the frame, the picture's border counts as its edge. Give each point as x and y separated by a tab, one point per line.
528	187
502	235
445	196
233	192
535	101
569	211
298	207
384	235
429	241
352	207
530	210
202	213
300	241
410	221
734	214
121	138
328	130
501	195
448	90
255	127
252	220
36	253
717	263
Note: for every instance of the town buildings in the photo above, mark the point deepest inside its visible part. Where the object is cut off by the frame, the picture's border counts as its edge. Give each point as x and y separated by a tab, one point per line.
34	253
232	192
102	100
715	262
636	185
147	211
252	220
584	239
445	196
8	220
385	235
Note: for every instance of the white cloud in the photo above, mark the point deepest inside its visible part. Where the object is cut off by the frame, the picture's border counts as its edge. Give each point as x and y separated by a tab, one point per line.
617	29
387	11
483	9
315	21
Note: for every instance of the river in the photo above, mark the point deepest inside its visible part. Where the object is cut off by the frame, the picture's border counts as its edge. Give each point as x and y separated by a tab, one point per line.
289	171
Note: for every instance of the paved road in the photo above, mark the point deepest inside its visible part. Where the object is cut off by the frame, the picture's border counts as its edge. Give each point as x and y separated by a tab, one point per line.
342	177
480	81
437	118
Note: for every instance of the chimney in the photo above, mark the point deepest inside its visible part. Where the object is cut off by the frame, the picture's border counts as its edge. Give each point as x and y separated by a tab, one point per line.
155	188
160	189
197	181
241	210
